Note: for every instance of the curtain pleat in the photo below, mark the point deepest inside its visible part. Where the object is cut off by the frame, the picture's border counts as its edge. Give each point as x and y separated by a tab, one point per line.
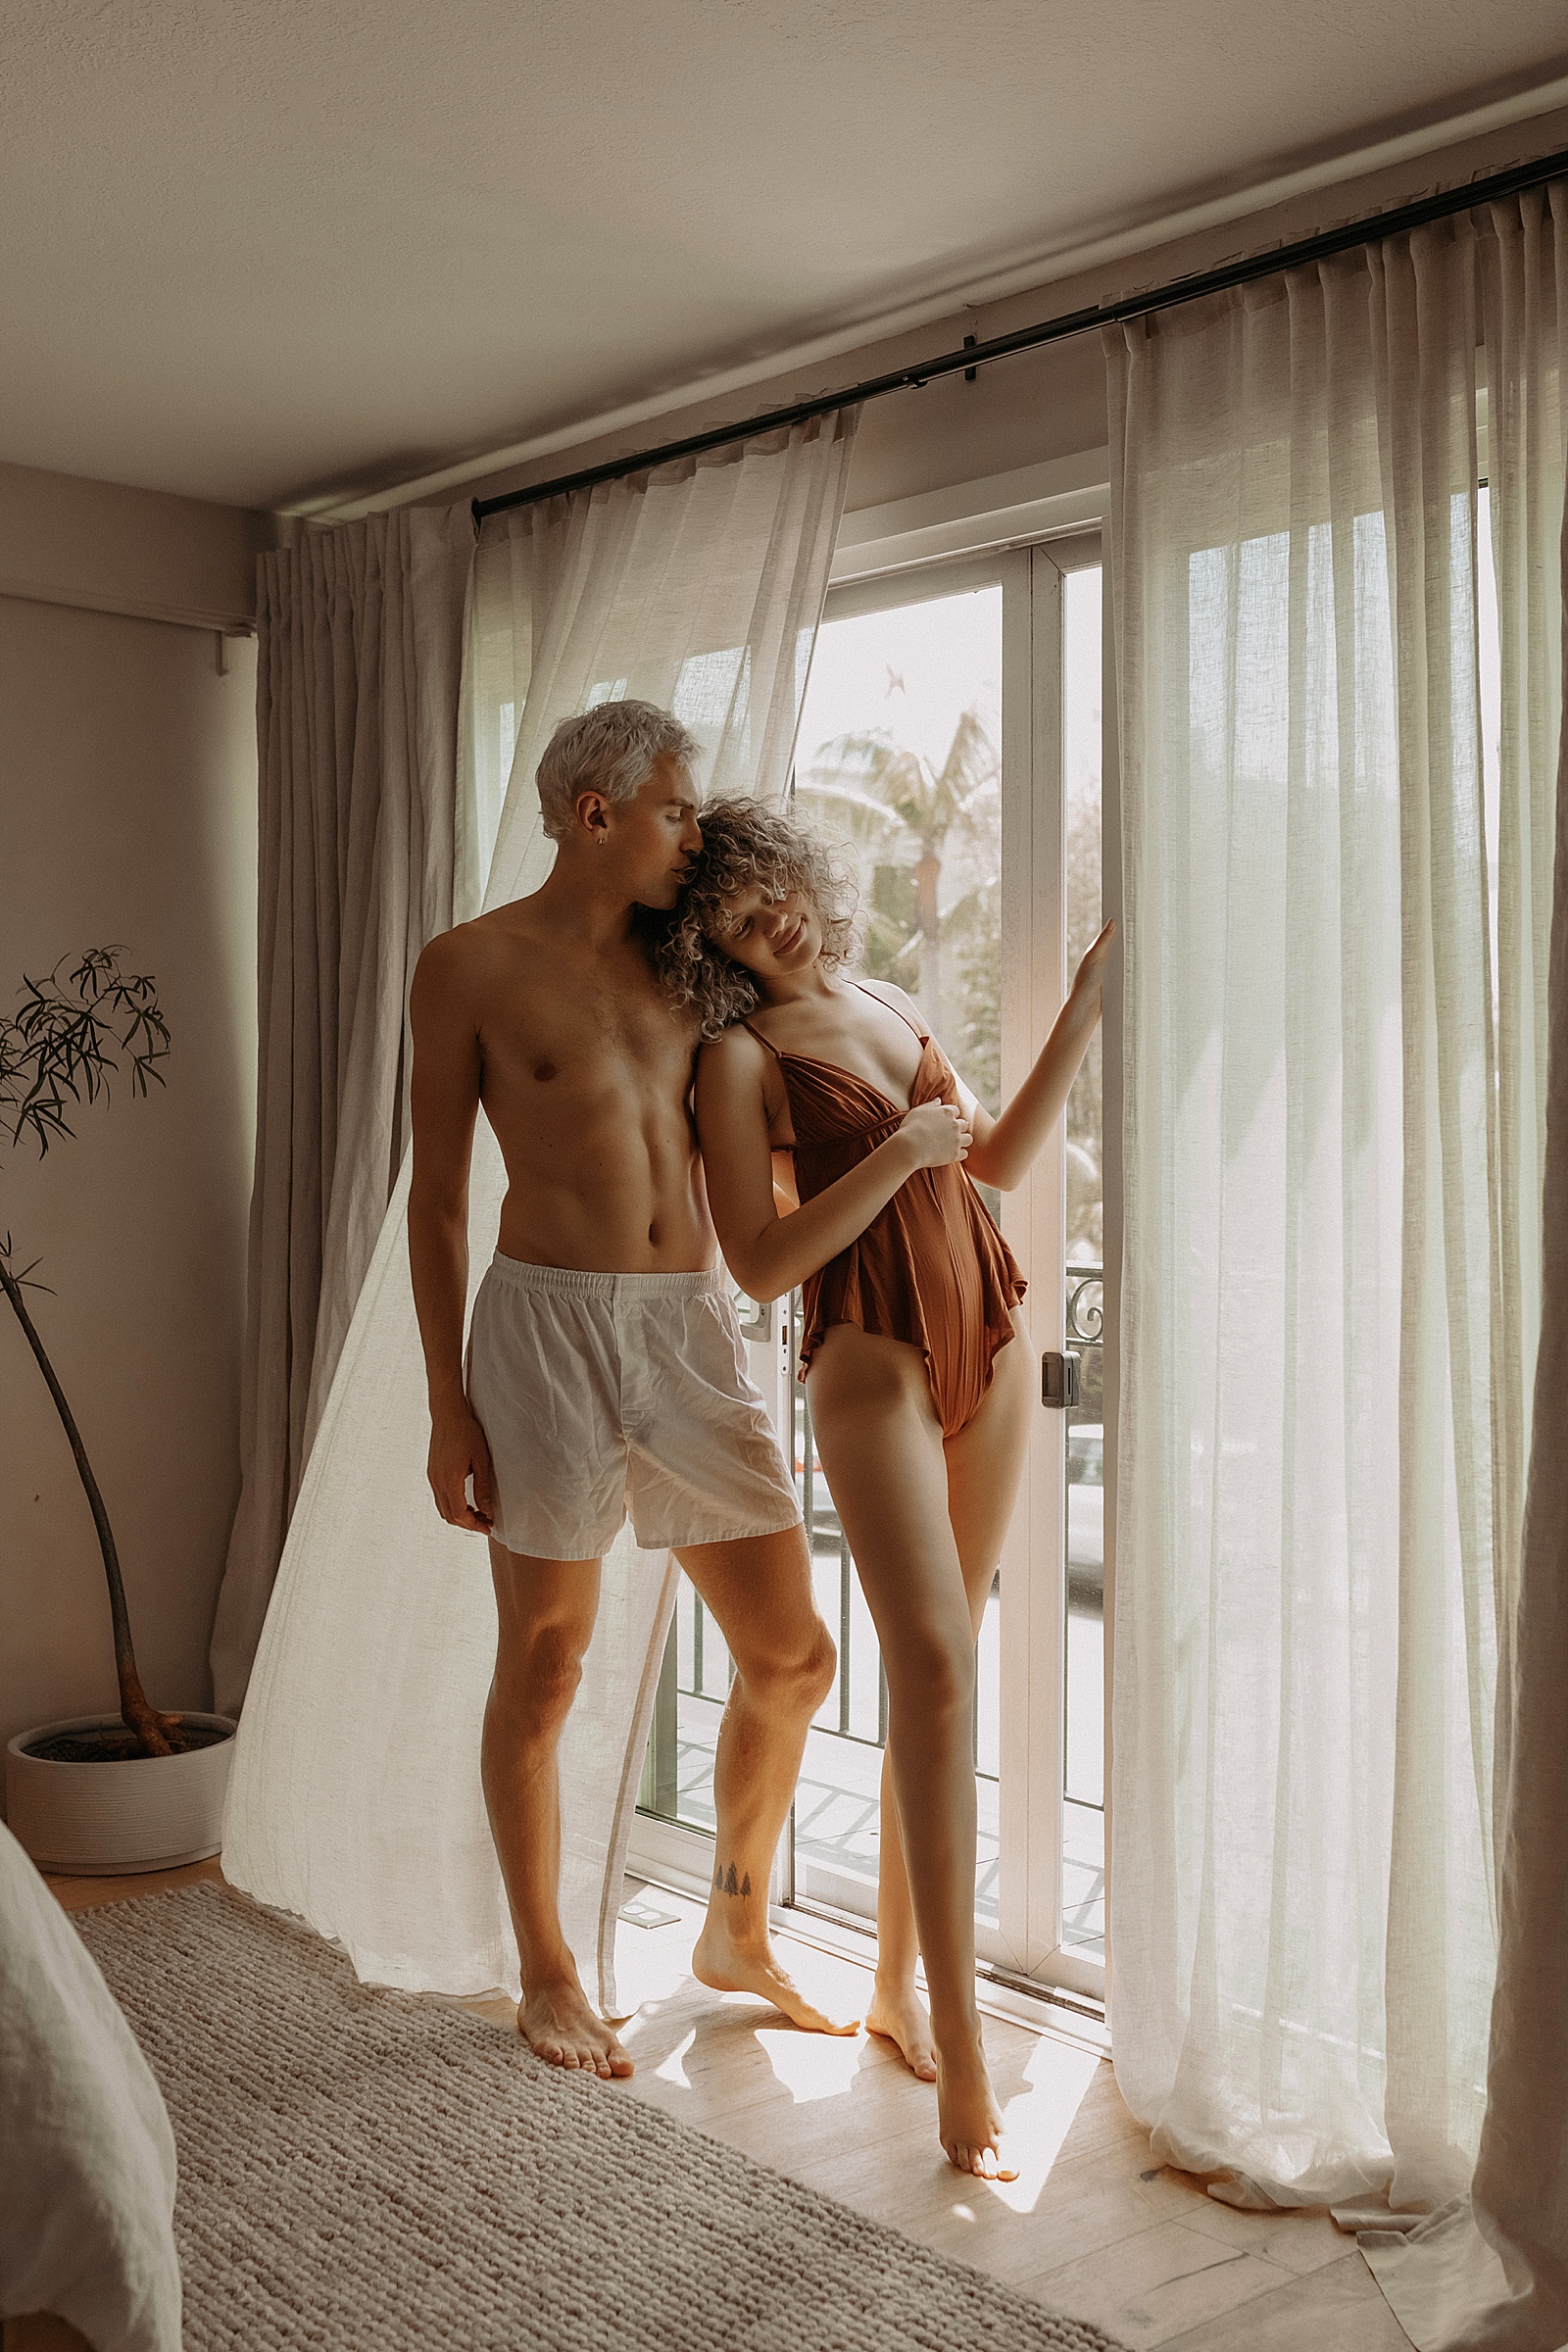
360	634
355	1799
1440	1951
1525	306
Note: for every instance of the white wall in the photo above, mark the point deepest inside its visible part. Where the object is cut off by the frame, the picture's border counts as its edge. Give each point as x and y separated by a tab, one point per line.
127	813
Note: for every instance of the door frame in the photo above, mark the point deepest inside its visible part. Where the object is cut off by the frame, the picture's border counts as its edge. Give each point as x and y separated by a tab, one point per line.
1027	1943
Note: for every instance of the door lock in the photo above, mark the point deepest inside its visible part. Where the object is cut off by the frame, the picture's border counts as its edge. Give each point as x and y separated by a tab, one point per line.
1058	1380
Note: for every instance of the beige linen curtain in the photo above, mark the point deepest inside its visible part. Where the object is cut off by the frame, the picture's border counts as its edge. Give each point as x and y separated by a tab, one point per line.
355	1798
361	861
1329	1325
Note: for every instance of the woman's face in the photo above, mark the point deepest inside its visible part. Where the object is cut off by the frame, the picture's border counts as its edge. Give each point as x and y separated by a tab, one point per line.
772	937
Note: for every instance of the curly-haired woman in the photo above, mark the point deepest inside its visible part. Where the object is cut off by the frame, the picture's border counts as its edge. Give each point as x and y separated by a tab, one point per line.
834	1136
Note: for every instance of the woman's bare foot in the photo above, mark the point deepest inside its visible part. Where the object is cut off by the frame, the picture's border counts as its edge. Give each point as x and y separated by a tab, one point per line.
559	2026
969	2118
725	1966
898	2016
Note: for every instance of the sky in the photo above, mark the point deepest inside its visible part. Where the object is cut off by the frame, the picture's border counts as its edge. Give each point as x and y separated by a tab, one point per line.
913	669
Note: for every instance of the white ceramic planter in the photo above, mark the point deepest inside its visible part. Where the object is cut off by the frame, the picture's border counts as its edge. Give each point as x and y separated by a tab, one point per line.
147	1813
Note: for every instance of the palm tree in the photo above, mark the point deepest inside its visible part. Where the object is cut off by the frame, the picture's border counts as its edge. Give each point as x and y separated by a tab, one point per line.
875	789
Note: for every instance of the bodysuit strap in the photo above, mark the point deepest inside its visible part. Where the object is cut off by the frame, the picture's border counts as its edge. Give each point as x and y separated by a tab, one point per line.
924	1035
760	1039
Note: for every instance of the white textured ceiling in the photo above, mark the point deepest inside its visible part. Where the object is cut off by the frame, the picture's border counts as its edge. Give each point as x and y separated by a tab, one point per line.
250	248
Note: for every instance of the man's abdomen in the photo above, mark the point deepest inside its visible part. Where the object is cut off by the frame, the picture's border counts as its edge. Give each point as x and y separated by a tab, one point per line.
613	1215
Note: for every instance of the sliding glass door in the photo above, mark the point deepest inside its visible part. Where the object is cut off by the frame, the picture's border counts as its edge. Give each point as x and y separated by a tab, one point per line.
950	740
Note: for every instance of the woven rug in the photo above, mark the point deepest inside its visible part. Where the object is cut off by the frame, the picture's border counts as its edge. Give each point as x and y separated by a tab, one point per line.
361	2169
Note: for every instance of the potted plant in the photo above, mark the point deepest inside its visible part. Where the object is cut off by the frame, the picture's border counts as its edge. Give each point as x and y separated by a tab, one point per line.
144	1789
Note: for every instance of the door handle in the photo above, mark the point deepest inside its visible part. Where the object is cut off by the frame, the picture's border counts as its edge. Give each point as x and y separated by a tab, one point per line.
759	1324
1058	1380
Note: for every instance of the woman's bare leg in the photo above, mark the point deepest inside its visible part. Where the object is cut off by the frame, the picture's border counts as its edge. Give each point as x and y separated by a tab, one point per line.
896	2010
983	1464
881	1447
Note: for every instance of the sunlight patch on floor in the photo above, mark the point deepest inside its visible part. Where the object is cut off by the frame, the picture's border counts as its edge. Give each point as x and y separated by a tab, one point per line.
671	2069
811	2066
1038	2120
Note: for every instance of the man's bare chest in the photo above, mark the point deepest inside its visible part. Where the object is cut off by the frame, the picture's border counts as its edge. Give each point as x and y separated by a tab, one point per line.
585	1045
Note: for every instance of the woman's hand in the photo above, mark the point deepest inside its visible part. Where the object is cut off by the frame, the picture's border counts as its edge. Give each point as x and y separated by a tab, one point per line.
1088	980
938	1134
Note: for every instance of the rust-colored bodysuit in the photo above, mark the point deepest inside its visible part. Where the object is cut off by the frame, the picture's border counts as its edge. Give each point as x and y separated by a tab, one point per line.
931	1267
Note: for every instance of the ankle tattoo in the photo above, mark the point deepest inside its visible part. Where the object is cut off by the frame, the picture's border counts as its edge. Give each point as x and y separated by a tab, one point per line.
725	1882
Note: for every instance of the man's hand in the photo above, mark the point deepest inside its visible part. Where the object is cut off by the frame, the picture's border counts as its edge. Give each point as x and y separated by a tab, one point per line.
458	1450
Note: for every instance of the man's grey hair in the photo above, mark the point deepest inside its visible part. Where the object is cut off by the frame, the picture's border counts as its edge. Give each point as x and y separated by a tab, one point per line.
611	749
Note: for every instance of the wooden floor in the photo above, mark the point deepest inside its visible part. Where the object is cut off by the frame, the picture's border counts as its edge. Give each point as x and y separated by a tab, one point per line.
1093	2227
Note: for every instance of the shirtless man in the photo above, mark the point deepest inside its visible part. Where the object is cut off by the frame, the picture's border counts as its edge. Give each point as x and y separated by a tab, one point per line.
605	1365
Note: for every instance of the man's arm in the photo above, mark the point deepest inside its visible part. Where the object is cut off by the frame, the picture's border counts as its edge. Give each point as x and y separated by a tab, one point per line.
445	1102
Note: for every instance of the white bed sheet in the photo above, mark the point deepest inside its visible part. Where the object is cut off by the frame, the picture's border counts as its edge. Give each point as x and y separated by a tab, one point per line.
87	2151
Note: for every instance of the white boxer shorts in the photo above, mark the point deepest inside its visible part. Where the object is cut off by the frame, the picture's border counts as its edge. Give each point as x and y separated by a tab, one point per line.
601	1392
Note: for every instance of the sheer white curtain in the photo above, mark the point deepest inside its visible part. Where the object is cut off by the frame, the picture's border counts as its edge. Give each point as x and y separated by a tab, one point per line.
1326	1345
1489	2272
355	1799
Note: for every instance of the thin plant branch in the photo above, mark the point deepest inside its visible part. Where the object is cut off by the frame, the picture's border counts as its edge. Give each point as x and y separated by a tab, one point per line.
62	1049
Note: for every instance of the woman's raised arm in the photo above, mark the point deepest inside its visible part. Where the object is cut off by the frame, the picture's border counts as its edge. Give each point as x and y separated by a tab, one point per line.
1004	1147
769	1254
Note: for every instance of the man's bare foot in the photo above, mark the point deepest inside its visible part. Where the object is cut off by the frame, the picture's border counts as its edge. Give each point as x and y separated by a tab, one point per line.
899	2017
725	1966
559	2026
969	2118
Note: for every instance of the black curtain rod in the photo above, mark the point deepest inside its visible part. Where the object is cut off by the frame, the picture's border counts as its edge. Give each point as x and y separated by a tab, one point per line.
973	355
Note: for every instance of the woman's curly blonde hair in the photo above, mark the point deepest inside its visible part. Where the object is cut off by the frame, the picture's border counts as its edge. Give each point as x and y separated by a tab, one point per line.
745	841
